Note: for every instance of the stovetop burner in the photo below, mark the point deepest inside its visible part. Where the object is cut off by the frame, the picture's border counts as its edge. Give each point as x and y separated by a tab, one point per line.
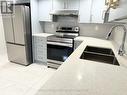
64	36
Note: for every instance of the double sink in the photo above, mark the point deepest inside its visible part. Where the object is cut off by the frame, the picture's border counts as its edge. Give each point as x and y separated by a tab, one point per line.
103	55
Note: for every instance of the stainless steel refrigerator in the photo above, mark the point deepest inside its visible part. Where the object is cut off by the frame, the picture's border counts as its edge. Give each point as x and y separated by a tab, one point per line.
18	35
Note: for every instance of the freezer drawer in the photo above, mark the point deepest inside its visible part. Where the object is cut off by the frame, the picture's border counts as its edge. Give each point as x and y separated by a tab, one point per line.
17	54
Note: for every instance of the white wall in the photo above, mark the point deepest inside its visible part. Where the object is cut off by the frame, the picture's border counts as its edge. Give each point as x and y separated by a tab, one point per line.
86	29
36	28
2	38
94	30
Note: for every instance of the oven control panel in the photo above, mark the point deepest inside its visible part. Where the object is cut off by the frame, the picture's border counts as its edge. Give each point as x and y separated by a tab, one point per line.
74	29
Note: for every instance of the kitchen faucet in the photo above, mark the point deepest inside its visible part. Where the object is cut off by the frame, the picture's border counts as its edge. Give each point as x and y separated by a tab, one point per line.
121	49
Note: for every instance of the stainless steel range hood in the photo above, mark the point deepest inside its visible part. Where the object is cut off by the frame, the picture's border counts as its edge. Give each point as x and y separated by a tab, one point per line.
65	12
21	1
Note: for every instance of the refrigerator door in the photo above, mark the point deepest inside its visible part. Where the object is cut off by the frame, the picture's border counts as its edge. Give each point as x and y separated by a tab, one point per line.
17	54
19	25
8	28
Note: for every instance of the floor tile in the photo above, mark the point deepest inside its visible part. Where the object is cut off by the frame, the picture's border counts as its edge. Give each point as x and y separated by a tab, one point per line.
16	79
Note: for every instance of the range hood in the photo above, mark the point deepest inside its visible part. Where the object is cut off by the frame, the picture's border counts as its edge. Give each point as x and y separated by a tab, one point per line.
65	12
21	1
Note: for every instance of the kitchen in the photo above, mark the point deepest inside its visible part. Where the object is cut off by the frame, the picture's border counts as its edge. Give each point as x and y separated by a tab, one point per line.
69	47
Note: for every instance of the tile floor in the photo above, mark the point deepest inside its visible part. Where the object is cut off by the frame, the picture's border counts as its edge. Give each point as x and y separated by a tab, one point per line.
16	79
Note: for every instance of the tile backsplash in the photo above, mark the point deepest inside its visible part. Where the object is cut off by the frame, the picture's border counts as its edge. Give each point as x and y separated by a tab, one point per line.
86	29
96	30
50	27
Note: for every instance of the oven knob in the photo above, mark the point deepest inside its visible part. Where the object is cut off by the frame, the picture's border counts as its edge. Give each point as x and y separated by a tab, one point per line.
76	29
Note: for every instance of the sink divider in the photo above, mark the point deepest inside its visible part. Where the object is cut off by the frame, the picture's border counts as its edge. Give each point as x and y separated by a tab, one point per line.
99	53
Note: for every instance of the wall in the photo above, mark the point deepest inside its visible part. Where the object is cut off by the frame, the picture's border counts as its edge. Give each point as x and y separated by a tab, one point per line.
94	30
36	28
50	27
86	29
2	38
91	30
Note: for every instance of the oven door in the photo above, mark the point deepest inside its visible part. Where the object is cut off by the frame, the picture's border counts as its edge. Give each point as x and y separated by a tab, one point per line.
58	52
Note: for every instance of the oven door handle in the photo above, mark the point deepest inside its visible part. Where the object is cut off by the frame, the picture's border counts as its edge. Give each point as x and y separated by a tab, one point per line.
60	44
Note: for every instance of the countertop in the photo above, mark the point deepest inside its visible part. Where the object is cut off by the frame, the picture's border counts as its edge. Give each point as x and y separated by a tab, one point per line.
42	34
82	77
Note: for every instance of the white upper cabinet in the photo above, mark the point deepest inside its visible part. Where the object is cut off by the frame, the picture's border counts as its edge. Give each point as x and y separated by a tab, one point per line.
65	4
84	11
45	7
91	11
120	11
97	12
73	4
58	4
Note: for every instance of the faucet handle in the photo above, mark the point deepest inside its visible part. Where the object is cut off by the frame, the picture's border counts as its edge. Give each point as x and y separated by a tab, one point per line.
121	51
108	35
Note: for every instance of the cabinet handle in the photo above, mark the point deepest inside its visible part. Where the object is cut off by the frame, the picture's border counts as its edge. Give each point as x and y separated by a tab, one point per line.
64	5
91	18
103	14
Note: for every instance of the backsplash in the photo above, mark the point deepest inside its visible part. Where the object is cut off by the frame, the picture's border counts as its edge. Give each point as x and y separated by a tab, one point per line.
86	29
50	27
94	30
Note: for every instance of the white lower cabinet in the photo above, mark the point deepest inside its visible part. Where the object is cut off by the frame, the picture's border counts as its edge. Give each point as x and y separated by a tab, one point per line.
77	43
40	49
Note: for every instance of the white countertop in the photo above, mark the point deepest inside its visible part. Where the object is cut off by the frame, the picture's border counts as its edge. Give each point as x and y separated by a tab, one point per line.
83	77
42	34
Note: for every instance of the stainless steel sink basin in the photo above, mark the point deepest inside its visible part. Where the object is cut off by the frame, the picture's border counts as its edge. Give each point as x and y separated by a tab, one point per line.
104	55
106	51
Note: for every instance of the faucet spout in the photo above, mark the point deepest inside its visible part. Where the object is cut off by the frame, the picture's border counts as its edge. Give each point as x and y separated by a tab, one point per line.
110	32
121	50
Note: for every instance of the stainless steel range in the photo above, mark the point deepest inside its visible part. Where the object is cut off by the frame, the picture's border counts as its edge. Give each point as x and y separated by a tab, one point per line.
61	45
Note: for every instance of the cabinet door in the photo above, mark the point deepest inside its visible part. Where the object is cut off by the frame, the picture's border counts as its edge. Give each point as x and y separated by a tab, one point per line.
84	11
77	43
73	4
45	7
66	4
58	4
98	7
39	49
120	11
17	53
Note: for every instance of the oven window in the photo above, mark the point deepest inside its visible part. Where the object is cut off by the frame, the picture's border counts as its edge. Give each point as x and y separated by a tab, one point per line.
59	53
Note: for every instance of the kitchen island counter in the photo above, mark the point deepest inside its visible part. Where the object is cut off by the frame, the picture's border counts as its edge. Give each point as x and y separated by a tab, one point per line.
82	77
